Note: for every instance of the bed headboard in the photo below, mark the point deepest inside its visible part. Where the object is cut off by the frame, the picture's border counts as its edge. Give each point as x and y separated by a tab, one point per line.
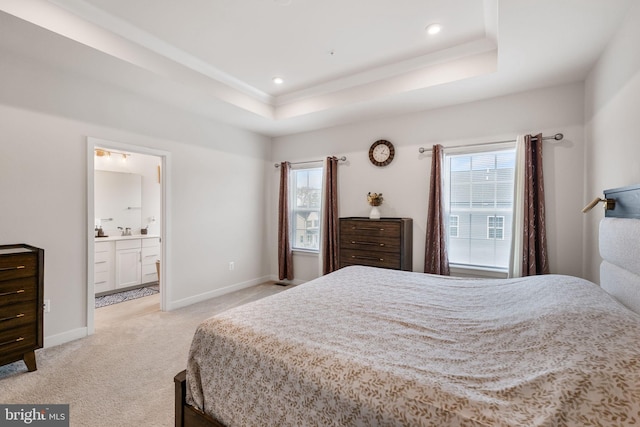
620	246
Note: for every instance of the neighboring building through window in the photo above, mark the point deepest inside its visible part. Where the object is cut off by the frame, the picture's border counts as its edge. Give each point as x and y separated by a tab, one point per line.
479	208
306	197
495	227
453	225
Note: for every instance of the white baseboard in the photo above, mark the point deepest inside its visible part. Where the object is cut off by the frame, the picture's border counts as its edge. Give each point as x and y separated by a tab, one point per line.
174	305
72	335
274	278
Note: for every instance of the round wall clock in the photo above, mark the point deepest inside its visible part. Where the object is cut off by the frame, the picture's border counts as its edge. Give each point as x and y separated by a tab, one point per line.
381	153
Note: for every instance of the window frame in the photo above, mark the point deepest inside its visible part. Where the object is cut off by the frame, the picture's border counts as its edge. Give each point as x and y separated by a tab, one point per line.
301	246
470	150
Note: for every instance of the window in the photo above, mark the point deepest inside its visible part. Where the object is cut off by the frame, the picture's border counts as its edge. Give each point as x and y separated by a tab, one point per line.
495	227
479	208
305	189
454	220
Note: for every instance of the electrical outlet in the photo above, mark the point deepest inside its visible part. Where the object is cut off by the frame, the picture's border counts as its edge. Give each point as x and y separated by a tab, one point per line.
47	306
232	265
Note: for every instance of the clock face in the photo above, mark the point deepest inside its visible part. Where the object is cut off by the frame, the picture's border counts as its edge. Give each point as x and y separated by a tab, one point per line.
381	153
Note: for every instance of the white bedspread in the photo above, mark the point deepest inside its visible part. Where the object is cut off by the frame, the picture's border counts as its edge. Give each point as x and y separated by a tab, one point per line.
373	347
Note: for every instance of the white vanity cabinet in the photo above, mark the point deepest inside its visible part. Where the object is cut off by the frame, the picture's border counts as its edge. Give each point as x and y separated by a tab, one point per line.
103	269
128	263
150	254
124	262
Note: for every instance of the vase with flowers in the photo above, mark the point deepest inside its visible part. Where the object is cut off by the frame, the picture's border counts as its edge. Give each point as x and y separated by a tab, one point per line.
375	200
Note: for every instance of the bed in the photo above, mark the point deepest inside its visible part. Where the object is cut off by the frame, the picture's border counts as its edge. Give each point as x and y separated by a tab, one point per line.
365	346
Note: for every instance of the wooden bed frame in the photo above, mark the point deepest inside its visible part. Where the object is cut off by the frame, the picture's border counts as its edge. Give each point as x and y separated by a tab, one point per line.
627	205
187	415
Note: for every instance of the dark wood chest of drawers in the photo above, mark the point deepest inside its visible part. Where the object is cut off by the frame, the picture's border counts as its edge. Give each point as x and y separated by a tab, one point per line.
386	242
21	303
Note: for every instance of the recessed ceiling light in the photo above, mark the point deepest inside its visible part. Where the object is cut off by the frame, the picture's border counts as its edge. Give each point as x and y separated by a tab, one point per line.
433	29
278	80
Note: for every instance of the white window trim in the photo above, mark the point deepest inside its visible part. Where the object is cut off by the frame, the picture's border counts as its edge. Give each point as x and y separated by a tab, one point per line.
462	270
466	270
292	203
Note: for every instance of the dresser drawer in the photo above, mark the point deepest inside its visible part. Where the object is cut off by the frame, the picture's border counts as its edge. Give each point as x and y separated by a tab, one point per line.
14	315
384	260
17	266
12	291
370	243
379	228
22	337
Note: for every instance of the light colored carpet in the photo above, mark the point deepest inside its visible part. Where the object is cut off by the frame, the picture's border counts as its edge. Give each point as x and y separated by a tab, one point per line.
123	374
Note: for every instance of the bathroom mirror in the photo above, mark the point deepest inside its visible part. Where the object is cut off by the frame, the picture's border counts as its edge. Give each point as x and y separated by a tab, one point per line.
118	201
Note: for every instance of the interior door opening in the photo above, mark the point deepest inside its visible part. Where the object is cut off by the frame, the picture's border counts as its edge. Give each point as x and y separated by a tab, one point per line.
126	206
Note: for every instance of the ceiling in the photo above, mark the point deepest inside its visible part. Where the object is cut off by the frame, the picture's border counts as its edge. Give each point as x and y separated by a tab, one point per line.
341	60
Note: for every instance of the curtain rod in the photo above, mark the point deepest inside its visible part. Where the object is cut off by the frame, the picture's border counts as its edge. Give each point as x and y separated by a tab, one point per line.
342	159
557	137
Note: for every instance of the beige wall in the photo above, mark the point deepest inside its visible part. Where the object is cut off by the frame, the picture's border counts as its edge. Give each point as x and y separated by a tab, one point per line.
612	127
404	182
217	185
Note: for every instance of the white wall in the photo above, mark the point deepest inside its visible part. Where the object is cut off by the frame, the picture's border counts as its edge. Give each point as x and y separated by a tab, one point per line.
612	126
404	182
217	185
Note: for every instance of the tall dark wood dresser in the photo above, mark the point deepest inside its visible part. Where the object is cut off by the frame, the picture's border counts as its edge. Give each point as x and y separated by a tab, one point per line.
385	242
21	303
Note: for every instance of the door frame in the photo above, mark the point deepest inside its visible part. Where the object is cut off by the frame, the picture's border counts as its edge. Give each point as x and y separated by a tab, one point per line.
165	222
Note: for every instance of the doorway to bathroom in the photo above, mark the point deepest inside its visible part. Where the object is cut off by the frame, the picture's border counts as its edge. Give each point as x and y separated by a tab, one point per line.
126	251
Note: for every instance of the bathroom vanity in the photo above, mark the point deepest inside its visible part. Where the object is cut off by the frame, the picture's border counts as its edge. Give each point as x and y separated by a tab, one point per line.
125	261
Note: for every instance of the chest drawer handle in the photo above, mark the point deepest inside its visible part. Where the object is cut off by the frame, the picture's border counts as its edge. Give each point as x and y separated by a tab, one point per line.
353	242
367	228
17	316
375	258
17	267
19	291
12	341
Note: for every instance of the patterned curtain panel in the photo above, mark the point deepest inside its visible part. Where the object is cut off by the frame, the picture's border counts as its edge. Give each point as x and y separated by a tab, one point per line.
330	218
285	257
534	257
436	260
